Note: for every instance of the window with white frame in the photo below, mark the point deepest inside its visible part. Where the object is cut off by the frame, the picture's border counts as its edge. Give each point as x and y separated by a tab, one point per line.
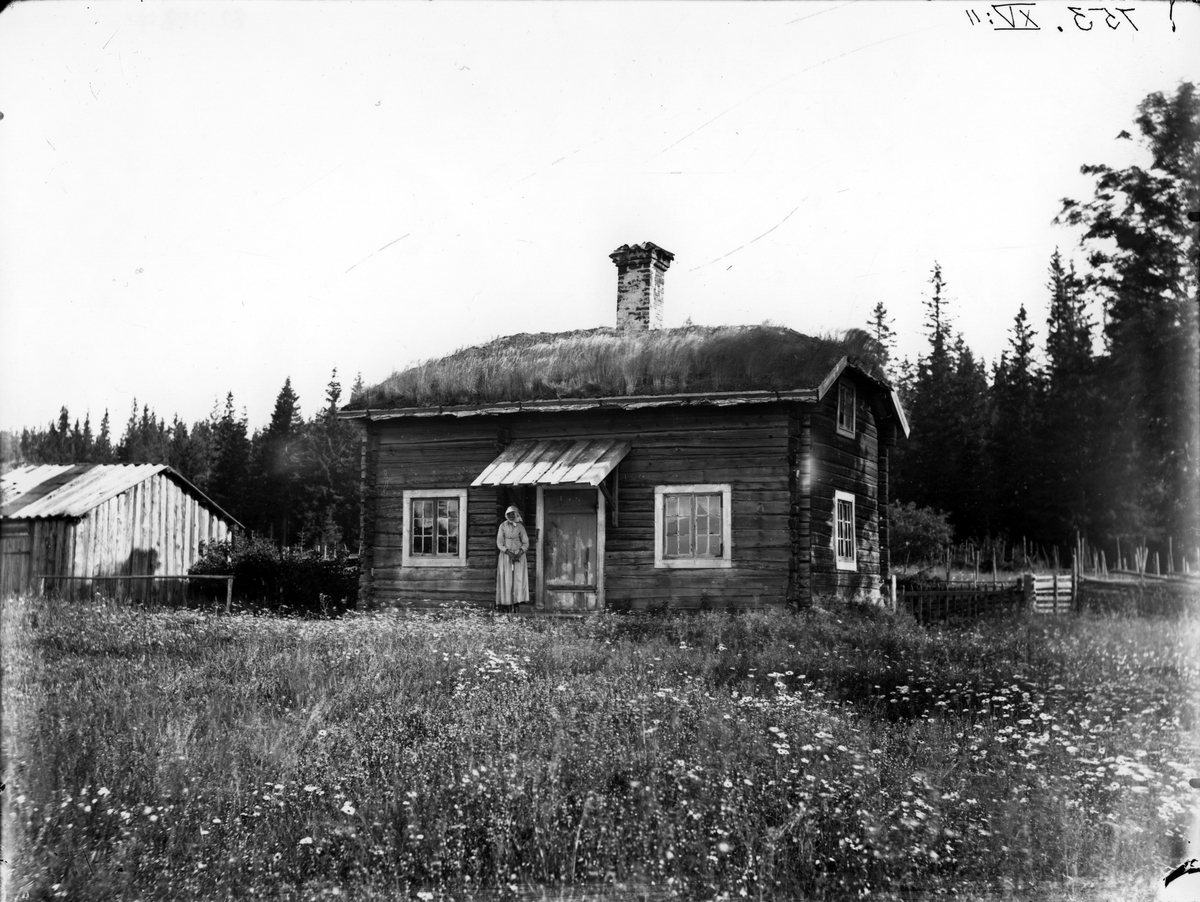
845	411
844	546
435	522
692	526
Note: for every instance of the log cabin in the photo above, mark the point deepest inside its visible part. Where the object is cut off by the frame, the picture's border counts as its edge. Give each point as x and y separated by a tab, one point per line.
655	468
96	522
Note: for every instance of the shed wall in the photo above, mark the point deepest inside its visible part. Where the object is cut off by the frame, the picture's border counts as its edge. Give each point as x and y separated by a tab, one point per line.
153	529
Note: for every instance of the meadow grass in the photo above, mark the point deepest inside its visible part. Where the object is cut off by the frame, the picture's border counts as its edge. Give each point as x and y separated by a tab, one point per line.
162	755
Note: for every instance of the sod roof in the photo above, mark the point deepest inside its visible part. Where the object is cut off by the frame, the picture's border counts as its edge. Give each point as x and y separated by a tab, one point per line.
614	363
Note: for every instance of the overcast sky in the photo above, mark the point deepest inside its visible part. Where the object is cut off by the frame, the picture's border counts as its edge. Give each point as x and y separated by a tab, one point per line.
198	198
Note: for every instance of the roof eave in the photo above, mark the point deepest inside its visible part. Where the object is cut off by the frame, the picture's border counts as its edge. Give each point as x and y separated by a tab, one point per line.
619	402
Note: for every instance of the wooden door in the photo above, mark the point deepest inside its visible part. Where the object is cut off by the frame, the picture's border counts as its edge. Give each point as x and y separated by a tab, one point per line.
570	560
16	553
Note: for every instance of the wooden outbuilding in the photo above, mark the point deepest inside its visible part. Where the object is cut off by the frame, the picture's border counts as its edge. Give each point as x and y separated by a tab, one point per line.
101	521
656	469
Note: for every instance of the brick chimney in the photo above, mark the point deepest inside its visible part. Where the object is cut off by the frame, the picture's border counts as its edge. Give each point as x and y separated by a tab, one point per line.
641	269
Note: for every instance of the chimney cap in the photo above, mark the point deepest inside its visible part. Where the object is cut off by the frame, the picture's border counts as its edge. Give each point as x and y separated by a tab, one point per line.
636	253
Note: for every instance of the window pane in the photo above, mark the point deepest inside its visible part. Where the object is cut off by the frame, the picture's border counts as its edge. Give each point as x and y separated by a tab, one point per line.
452	526
671	525
708	526
686	544
422	526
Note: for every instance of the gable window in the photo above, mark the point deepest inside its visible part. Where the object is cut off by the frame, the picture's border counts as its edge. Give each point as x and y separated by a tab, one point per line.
692	526
845	411
844	546
435	528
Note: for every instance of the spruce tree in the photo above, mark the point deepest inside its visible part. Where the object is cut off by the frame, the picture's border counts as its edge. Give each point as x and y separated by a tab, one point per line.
1016	470
920	463
330	467
275	449
231	457
103	451
881	331
1144	263
1070	430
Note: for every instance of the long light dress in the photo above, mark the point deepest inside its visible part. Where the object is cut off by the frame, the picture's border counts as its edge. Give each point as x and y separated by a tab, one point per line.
512	577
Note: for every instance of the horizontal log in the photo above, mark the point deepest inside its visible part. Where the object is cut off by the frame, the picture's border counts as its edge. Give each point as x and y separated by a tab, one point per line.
177	576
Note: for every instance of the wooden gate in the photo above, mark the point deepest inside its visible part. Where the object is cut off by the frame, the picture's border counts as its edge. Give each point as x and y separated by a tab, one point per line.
16	553
1051	593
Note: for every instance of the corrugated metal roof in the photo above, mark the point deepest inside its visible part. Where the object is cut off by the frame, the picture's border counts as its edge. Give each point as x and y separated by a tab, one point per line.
554	462
57	490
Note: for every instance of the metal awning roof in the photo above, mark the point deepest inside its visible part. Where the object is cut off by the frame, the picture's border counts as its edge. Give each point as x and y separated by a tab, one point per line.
554	462
72	490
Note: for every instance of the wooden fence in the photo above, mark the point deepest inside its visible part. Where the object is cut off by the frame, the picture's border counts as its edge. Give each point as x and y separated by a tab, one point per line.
162	589
966	601
1140	595
1053	594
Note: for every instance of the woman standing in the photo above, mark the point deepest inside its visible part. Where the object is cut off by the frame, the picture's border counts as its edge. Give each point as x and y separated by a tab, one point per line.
512	574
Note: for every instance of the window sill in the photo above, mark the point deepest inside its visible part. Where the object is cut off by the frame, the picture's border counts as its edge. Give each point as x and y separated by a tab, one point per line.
848	566
693	564
435	562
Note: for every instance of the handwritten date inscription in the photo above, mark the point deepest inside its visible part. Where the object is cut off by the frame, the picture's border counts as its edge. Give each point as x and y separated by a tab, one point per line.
1020	17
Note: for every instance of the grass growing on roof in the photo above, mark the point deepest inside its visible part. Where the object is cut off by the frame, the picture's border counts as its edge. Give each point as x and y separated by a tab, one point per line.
598	363
164	755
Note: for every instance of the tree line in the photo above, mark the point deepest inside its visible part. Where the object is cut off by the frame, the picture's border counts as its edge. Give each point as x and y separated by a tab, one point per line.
294	481
1061	438
1092	429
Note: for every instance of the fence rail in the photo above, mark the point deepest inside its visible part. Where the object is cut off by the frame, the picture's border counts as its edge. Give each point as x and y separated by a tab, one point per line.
49	581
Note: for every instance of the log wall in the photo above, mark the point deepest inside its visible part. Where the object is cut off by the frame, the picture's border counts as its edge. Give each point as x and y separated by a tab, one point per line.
746	447
841	463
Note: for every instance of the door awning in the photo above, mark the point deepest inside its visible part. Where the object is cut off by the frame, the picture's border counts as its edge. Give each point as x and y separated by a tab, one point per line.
554	462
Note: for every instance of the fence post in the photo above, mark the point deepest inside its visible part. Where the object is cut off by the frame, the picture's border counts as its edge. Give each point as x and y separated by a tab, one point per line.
228	594
1029	593
894	604
1054	604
